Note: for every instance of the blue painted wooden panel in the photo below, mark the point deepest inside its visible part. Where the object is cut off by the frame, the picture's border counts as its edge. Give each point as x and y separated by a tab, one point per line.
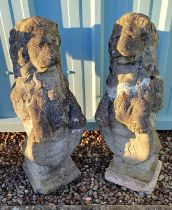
85	27
6	22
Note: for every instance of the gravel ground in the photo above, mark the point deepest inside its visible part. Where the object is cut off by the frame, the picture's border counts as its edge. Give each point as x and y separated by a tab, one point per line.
92	157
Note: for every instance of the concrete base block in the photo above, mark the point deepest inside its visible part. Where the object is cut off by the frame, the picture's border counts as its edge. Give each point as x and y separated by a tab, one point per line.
48	179
131	183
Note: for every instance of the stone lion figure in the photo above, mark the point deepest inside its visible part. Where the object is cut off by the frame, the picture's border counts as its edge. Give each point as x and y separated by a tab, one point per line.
41	98
127	112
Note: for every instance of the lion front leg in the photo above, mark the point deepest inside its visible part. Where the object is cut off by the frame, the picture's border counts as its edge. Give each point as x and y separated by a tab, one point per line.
133	113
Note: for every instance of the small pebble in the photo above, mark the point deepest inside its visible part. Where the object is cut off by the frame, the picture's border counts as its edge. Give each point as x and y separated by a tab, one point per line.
88	199
124	188
161	177
142	194
4	200
111	194
95	188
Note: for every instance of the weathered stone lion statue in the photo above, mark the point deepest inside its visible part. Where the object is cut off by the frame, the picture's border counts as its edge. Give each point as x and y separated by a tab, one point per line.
42	100
127	112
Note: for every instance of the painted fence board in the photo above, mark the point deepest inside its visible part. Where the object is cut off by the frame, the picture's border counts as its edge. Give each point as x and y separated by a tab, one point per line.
85	27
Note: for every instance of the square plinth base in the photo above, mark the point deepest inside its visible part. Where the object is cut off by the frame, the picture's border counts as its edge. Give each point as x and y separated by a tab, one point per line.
47	179
134	184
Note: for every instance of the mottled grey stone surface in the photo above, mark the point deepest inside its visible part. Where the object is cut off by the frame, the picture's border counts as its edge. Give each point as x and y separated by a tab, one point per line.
41	98
127	112
90	207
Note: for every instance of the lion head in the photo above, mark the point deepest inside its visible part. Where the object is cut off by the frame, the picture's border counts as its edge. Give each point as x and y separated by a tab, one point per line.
133	32
34	45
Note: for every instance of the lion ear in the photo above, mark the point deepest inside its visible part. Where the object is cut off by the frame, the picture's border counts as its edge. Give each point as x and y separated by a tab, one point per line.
22	56
21	59
12	35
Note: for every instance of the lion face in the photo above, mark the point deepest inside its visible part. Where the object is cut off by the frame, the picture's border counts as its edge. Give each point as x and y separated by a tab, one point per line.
34	46
43	51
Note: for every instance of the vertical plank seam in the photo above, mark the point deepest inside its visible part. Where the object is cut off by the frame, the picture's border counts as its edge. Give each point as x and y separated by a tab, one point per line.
93	54
22	9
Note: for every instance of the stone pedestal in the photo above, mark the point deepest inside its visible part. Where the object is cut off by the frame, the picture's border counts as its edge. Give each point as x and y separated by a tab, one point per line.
126	114
126	180
47	179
